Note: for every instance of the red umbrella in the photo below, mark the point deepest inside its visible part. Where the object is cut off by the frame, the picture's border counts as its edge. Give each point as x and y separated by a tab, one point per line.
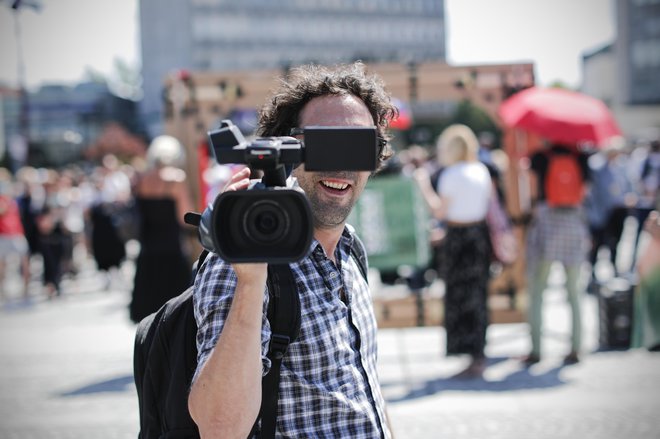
559	115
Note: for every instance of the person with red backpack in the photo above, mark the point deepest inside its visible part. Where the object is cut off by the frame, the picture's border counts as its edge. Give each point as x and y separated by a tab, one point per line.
558	232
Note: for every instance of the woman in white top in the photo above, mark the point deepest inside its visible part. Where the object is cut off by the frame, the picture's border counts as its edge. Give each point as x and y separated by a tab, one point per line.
464	189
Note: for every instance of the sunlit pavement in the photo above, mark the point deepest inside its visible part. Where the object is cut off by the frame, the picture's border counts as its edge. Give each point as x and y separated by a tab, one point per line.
66	372
609	394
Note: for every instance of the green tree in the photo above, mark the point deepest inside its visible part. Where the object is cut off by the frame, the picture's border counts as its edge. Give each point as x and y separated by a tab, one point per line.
558	83
125	80
475	117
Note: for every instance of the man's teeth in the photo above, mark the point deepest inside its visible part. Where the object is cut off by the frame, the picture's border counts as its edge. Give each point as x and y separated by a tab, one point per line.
333	185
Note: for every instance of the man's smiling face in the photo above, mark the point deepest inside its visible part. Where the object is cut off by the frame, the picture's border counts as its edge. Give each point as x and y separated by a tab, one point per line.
332	195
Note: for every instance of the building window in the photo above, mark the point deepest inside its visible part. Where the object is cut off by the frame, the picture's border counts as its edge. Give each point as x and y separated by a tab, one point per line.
646	54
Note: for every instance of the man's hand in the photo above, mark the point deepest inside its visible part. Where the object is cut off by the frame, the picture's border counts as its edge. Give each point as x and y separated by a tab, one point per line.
238	181
247	272
225	398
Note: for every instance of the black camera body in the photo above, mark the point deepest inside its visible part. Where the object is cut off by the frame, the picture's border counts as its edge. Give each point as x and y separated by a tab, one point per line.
272	221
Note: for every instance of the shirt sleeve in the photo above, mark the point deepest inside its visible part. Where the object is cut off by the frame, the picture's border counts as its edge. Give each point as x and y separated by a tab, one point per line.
214	291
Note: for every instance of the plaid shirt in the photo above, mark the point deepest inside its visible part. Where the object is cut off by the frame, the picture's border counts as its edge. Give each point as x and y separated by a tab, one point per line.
329	384
557	234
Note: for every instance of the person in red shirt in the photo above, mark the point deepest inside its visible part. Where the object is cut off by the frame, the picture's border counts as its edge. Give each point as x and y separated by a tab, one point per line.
12	236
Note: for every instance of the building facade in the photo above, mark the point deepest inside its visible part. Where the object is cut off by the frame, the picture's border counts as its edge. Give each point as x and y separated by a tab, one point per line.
600	74
225	35
638	51
626	73
62	121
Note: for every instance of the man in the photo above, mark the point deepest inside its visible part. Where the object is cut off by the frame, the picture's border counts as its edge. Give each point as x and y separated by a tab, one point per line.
329	385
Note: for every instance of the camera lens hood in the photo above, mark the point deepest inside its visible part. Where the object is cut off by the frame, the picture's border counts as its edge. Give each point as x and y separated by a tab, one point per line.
271	225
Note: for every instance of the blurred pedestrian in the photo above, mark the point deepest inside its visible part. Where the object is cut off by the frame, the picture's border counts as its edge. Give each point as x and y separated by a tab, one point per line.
162	268
427	178
50	242
30	200
486	147
13	243
109	250
646	321
558	232
647	190
607	203
406	163
77	202
464	190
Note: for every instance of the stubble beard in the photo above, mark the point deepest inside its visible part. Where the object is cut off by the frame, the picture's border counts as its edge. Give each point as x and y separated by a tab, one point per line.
329	215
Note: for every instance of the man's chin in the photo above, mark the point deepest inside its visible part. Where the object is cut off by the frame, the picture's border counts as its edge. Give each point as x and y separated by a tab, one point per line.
328	227
328	222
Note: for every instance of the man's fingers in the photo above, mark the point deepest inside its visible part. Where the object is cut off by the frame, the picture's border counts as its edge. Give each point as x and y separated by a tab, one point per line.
238	181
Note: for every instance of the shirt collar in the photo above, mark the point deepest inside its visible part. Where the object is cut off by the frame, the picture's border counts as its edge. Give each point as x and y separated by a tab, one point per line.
344	245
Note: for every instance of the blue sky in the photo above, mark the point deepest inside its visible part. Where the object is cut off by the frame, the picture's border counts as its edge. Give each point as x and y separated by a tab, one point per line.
68	35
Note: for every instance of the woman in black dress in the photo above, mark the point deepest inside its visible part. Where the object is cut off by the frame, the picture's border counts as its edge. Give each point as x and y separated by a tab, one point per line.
163	269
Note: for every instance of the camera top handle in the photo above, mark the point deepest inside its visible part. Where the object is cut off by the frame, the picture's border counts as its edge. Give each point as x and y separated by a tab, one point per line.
269	154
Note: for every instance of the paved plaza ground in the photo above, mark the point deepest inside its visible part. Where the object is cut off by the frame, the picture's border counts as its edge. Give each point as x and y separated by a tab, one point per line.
66	372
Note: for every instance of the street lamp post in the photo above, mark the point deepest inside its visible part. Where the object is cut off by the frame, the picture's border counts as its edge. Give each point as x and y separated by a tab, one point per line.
24	115
23	141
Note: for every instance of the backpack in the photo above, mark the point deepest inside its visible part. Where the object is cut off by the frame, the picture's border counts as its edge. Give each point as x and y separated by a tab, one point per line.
165	355
563	181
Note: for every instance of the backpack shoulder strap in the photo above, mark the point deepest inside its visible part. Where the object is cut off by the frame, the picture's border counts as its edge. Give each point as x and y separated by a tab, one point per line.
198	263
284	318
359	252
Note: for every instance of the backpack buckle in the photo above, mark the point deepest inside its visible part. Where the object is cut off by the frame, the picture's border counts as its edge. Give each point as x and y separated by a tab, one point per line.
278	345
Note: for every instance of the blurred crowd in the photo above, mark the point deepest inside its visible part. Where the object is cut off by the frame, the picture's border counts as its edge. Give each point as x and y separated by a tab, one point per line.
620	184
52	222
56	224
580	200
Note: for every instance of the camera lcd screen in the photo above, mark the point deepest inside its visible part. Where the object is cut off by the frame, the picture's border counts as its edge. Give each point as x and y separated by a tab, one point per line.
340	148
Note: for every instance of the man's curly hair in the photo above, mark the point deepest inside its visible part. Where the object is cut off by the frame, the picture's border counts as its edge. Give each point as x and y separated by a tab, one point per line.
282	112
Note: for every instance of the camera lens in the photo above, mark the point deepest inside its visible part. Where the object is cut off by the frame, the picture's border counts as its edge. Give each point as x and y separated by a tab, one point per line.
273	226
266	222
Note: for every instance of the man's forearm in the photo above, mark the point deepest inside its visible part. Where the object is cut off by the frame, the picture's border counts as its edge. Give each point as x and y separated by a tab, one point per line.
226	396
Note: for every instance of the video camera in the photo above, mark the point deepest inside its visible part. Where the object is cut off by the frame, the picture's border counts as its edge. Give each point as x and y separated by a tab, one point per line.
272	221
